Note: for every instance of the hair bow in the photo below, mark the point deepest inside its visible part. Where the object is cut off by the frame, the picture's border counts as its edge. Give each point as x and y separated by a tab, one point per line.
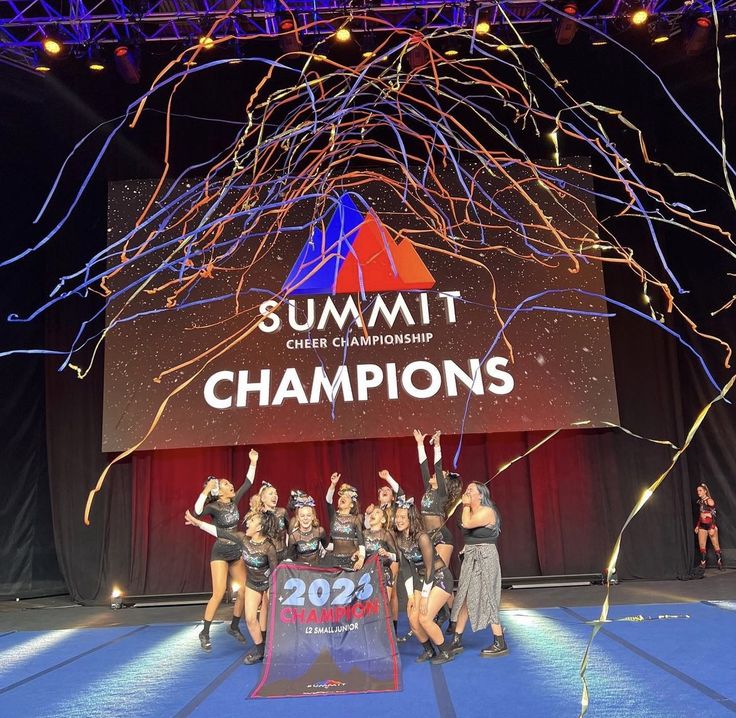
265	485
303	501
405	503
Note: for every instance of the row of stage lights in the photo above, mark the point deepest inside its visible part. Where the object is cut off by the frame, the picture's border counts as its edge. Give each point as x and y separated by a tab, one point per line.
695	30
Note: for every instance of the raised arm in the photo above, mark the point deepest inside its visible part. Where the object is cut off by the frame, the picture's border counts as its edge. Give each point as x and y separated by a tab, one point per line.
438	471
249	477
422	454
199	507
330	495
391	481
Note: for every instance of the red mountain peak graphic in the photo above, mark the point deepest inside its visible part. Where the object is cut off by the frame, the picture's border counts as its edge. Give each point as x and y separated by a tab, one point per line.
376	263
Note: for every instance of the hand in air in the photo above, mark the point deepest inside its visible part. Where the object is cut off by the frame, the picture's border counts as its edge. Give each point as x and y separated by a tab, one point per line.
190	520
253	456
384	474
419	437
334	478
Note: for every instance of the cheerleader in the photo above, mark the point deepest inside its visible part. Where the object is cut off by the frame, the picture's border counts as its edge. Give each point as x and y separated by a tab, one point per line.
706	526
380	541
259	556
307	540
442	490
347	546
266	500
428	582
387	498
220	501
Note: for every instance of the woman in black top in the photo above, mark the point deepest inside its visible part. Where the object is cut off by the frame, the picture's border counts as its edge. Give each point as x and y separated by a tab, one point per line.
428	581
259	556
347	547
220	501
478	596
307	539
441	491
706	526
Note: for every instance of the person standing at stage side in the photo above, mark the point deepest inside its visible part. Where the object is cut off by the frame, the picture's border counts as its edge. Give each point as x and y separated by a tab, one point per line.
478	595
442	489
347	546
388	495
259	556
220	501
428	582
307	540
706	526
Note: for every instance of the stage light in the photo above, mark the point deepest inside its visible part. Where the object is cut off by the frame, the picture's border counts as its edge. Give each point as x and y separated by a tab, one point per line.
289	40
368	46
206	42
116	598
639	17
94	60
451	48
697	34
127	65
482	22
52	45
567	27
503	47
417	55
343	34
660	31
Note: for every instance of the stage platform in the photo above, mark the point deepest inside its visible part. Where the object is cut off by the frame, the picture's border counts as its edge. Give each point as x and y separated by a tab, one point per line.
62	660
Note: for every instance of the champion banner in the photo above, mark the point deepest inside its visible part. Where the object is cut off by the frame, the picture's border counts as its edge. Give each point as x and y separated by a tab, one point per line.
329	632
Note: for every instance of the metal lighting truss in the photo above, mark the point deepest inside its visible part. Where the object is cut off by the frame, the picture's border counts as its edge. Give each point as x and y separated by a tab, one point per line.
87	25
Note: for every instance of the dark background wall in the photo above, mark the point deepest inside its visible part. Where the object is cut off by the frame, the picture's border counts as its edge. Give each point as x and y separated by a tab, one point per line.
562	507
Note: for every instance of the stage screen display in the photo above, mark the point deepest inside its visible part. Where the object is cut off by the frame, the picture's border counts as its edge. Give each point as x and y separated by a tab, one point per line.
354	328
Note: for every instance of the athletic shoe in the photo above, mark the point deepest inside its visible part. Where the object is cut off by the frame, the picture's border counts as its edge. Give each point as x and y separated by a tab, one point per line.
236	634
405	637
204	641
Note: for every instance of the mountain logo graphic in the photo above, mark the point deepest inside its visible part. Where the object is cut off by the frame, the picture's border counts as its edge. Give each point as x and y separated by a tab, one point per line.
356	253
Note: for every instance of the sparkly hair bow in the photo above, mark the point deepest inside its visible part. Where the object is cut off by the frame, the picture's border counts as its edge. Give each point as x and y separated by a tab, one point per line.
404	503
348	491
265	485
303	500
297	493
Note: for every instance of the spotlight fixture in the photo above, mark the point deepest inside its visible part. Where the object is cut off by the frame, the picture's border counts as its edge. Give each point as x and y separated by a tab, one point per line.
417	54
127	64
639	16
116	598
206	42
95	63
483	22
52	45
451	48
343	34
566	26
660	31
697	34
368	46
289	40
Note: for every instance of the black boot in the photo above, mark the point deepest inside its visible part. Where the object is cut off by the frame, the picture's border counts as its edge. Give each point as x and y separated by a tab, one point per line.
255	655
456	645
234	630
442	615
450	630
443	655
719	561
427	654
702	559
405	637
497	648
204	641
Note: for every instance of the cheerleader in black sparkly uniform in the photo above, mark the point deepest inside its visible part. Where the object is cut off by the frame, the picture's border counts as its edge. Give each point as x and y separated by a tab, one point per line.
379	540
347	547
259	556
267	499
706	526
296	496
220	501
428	582
307	540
